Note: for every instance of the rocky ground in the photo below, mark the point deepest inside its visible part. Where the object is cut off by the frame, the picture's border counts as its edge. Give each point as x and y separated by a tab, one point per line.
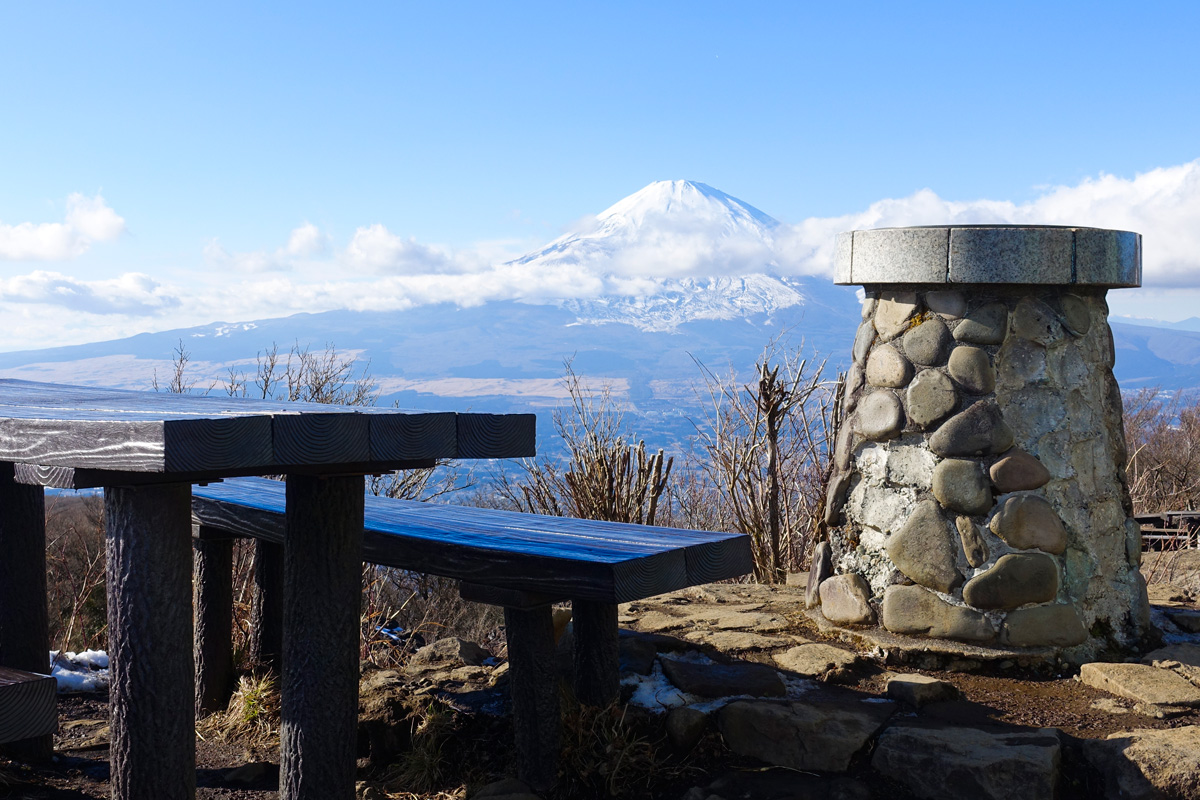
733	692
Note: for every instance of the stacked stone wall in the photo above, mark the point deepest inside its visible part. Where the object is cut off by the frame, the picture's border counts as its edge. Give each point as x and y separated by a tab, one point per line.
979	488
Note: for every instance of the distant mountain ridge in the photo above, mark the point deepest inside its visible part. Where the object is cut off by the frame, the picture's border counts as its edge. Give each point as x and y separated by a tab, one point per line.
642	339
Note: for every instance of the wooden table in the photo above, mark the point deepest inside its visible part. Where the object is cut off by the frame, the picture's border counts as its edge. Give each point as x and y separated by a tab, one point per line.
146	449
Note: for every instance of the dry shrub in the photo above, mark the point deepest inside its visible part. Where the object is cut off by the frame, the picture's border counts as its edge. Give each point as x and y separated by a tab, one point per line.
606	476
1162	436
426	608
762	452
75	564
425	767
615	751
252	718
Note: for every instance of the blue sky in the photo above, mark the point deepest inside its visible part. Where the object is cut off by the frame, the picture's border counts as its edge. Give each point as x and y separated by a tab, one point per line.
204	144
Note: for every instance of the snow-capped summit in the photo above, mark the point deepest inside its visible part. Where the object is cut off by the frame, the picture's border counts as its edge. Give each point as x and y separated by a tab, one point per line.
677	199
668	229
678	251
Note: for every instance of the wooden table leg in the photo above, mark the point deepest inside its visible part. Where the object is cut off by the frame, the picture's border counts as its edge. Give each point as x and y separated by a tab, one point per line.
266	613
213	584
24	629
597	660
322	595
153	745
534	687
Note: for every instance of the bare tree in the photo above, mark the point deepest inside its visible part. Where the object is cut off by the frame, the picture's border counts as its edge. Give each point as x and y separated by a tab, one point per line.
606	477
178	383
765	449
1162	434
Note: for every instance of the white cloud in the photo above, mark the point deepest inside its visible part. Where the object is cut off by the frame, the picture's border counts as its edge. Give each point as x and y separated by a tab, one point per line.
381	271
306	241
131	293
1163	205
88	220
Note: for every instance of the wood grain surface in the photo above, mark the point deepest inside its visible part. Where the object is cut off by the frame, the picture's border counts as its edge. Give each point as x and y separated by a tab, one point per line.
24	626
28	706
192	436
322	591
605	562
152	749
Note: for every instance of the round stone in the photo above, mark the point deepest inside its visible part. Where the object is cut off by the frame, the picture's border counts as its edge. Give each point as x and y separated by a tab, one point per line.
862	342
1034	320
1044	626
1027	521
1075	315
845	600
879	416
819	571
1014	580
915	610
931	397
926	344
1020	362
951	305
854	384
980	430
887	367
971	369
974	545
961	485
925	549
1017	471
985	325
835	497
868	308
892	313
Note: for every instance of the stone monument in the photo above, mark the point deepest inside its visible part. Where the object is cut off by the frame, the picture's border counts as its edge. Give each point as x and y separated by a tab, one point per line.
979	493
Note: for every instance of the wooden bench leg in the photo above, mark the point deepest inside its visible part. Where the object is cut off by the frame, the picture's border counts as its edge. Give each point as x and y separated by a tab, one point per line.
24	628
266	613
322	595
151	702
213	585
534	686
597	661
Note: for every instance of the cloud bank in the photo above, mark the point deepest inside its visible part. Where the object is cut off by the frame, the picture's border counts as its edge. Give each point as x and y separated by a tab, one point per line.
88	220
380	270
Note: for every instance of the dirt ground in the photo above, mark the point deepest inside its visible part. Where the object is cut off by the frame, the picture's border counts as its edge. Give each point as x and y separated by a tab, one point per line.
233	772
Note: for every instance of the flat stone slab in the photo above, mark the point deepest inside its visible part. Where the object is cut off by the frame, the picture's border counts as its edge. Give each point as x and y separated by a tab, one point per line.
1148	764
927	653
734	641
1003	254
918	690
822	733
723	680
814	660
1142	683
943	761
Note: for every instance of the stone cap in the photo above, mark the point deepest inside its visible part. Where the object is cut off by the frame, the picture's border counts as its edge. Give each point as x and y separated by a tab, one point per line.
1033	254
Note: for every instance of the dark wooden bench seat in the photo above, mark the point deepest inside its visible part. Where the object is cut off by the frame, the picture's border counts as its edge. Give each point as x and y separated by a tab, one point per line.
28	705
523	562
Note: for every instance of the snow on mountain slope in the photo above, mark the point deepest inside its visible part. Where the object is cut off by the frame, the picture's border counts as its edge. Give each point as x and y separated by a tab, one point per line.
668	229
652	244
675	302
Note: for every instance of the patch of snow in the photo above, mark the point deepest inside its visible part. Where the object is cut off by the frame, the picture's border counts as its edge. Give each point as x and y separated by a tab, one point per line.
80	672
655	692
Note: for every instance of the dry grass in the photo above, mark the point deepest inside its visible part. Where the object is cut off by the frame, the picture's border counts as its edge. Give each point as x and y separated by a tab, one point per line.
252	718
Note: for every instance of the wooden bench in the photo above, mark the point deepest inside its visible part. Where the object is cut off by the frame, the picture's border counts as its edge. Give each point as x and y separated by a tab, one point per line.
28	705
523	562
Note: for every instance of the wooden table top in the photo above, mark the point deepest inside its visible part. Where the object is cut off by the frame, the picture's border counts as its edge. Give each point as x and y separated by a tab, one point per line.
74	436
